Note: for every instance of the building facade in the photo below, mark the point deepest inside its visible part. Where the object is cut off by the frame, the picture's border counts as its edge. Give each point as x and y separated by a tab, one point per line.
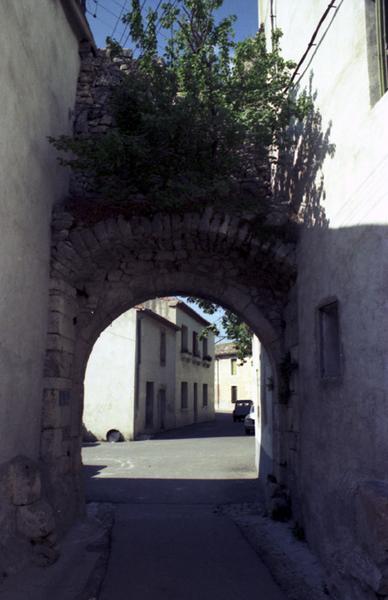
333	169
194	391
234	379
39	66
149	372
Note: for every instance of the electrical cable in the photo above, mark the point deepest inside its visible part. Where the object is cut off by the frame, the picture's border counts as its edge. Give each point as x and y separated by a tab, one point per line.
310	44
98	18
108	10
123	7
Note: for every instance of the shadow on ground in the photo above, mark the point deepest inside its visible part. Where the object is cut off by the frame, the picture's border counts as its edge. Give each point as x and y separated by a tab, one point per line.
222	426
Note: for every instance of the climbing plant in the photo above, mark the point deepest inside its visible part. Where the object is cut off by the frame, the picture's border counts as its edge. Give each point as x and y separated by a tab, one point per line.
192	118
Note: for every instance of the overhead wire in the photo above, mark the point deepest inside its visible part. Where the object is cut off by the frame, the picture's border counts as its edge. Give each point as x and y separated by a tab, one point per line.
98	3
119	18
94	15
310	44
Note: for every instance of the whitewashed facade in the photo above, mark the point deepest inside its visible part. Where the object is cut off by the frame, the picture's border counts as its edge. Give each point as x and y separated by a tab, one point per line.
334	171
144	374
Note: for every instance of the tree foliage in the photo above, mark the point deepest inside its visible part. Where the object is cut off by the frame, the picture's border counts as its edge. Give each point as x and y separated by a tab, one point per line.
192	119
233	328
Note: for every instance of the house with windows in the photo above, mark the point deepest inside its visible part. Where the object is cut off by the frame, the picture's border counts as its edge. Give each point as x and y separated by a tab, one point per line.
234	379
194	377
149	371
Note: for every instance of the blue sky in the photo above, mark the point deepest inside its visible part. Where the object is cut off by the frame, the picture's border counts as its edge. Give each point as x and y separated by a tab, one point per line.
107	12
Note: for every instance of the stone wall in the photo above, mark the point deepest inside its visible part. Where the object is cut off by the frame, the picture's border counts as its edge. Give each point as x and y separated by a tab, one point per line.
99	271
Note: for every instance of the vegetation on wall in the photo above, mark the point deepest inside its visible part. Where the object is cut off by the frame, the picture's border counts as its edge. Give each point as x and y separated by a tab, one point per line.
193	119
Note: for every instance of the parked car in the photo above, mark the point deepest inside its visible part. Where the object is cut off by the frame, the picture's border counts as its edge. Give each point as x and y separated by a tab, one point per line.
250	421
241	409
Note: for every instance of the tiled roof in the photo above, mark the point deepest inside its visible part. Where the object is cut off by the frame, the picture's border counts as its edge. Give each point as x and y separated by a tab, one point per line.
226	349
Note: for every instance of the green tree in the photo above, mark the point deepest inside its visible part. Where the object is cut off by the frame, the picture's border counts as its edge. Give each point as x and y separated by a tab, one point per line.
192	120
234	329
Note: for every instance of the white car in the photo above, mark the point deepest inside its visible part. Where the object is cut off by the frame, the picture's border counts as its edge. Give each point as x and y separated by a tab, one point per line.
250	421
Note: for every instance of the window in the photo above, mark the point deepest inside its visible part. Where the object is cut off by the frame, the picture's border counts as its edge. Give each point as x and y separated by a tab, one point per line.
149	417
329	341
195	344
184	395
195	398
205	350
205	398
233	366
233	390
382	41
163	348
184	339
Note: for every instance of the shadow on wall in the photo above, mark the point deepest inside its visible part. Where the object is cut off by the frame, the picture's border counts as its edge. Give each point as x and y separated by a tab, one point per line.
297	177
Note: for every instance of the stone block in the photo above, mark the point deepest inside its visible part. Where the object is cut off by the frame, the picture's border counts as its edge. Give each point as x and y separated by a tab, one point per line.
90	240
61	325
124	228
58	342
51	445
35	521
100	232
25	482
58	364
56	409
79	243
63	304
58	383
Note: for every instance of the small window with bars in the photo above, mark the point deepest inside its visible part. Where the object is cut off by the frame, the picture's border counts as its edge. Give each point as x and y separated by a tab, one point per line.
205	397
233	391
195	344
163	347
184	395
184	339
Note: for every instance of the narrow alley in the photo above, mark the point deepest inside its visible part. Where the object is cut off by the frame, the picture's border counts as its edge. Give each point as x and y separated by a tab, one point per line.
170	539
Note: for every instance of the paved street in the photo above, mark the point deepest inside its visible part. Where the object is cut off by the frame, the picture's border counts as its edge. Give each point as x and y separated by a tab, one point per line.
169	541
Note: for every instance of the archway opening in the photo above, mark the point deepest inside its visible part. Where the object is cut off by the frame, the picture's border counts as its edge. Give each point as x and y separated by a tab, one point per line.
101	271
167	374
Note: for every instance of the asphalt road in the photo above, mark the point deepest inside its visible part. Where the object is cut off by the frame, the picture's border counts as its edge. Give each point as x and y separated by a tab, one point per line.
169	541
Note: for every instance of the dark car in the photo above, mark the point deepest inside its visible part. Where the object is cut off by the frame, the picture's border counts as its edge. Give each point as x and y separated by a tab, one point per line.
241	409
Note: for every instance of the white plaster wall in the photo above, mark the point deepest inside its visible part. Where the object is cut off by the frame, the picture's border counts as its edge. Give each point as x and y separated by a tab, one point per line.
150	369
343	425
344	70
39	66
193	370
109	386
262	380
224	380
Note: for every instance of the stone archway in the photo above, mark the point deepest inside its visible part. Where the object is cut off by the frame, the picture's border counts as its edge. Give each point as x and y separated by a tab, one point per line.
101	270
